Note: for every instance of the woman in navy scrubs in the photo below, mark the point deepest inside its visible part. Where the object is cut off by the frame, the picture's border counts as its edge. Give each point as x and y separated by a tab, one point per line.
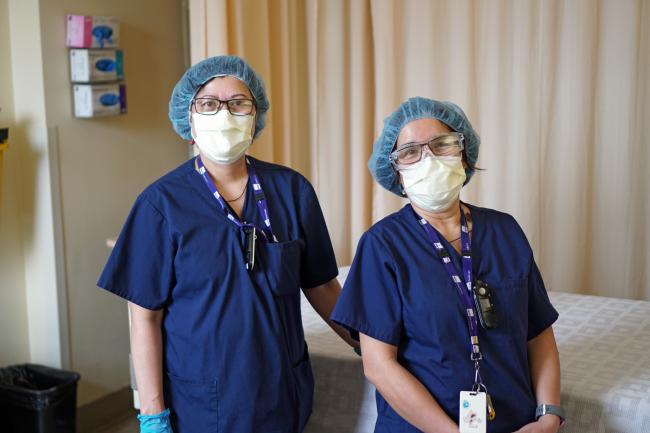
446	296
212	259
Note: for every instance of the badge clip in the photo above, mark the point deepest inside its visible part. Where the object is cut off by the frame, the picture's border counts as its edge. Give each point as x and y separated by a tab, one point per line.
490	407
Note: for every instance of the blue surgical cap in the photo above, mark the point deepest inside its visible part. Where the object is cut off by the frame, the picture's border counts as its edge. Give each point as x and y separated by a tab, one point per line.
413	109
196	76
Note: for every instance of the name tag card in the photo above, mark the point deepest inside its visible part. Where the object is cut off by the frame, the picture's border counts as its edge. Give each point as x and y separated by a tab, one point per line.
473	412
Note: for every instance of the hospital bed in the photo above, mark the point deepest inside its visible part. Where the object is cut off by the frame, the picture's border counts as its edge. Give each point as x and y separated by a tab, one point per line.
604	346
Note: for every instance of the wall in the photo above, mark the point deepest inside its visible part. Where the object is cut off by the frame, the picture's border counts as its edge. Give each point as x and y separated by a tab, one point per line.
14	341
104	164
69	183
39	219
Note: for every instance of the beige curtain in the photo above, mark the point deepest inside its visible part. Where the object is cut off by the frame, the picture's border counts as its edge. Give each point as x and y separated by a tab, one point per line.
558	90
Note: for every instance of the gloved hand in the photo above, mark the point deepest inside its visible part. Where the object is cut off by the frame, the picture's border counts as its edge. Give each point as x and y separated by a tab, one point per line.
157	423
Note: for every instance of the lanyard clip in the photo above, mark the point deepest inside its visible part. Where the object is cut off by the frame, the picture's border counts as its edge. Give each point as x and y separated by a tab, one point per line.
478	381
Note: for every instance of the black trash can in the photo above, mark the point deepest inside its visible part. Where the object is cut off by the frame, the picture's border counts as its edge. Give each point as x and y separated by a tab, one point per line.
37	399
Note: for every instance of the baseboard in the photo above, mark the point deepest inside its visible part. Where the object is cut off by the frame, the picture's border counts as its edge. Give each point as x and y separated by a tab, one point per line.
105	410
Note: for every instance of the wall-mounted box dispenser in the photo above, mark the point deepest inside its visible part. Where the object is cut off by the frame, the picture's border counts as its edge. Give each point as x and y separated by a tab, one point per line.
94	59
93	32
96	100
96	66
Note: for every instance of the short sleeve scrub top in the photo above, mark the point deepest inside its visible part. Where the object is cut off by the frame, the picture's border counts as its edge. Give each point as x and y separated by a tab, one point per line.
399	292
234	354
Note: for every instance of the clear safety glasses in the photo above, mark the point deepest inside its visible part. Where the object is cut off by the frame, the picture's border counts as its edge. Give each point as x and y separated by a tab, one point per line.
447	145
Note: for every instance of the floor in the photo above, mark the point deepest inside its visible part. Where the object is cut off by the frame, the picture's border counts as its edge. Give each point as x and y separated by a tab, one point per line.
127	424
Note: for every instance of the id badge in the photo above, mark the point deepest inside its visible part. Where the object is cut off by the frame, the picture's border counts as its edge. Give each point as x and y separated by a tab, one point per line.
473	412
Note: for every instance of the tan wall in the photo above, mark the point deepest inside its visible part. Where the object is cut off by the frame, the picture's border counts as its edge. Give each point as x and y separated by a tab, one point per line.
14	341
77	181
104	164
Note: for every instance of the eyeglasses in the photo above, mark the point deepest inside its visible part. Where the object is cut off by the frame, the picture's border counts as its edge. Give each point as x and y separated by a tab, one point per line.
211	106
450	144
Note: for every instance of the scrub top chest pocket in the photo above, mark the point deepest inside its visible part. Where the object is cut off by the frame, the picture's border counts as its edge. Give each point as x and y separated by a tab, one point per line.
510	296
279	271
280	262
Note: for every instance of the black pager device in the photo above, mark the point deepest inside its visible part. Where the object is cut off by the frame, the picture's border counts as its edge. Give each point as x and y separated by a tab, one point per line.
484	303
251	239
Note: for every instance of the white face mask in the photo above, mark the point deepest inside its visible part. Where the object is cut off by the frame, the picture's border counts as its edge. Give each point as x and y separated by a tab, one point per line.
433	184
223	137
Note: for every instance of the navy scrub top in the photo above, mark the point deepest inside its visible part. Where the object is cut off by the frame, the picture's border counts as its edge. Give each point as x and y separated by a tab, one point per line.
399	292
235	359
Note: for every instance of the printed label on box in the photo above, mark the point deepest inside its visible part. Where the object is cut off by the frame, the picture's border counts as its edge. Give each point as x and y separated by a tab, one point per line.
96	65
95	100
92	32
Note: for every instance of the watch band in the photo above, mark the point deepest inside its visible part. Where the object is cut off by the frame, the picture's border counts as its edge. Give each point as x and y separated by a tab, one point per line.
545	409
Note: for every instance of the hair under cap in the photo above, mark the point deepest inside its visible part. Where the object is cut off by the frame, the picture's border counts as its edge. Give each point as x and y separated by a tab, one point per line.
198	75
413	109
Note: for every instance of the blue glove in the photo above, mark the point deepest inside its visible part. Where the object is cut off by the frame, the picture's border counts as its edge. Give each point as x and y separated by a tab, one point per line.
158	423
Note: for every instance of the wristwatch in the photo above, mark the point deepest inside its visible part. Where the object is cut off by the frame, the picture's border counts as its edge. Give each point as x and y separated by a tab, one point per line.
544	409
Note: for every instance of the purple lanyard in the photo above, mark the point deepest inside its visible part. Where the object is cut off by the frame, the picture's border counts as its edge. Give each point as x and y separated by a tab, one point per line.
259	198
464	293
463	290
